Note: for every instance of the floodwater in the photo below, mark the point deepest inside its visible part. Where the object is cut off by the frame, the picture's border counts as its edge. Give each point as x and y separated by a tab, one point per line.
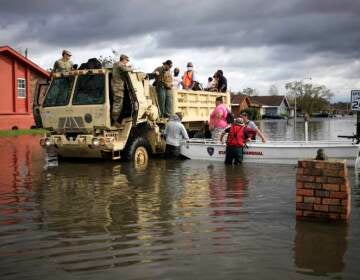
172	220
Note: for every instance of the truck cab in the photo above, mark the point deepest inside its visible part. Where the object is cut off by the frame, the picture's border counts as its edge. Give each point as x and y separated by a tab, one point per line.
76	112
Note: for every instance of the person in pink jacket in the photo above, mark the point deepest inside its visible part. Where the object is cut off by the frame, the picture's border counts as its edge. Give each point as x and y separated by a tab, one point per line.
218	121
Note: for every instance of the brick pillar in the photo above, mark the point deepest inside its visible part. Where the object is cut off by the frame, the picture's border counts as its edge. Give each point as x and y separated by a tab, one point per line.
322	190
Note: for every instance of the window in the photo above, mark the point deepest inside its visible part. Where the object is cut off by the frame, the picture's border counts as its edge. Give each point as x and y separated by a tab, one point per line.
21	86
89	89
59	92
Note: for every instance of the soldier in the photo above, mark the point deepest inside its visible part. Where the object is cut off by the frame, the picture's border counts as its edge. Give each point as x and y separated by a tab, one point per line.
63	64
118	87
163	84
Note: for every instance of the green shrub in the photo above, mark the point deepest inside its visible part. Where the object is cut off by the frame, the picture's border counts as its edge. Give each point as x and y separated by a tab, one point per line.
17	132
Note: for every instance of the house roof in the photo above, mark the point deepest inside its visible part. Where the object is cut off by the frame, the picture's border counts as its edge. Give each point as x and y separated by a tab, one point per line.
270	100
237	99
23	59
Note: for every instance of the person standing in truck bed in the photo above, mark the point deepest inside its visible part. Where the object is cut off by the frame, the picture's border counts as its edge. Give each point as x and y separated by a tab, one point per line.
222	81
189	78
118	87
63	64
163	85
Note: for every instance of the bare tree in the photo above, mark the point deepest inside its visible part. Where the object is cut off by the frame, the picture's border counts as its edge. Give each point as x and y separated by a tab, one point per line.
108	61
249	92
273	90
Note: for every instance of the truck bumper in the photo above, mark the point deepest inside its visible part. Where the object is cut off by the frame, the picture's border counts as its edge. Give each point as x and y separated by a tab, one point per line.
83	146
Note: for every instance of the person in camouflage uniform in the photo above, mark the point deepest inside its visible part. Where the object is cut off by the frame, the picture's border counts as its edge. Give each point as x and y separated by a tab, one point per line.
163	84
63	64
118	87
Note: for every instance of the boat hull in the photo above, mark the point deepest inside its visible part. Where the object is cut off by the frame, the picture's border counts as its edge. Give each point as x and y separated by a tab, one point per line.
280	152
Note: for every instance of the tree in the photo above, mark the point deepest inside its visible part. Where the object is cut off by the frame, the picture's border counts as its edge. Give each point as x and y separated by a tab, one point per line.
273	90
249	92
108	61
341	107
309	98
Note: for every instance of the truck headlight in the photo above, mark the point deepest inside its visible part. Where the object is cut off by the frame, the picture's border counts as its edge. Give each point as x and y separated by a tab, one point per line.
45	142
95	142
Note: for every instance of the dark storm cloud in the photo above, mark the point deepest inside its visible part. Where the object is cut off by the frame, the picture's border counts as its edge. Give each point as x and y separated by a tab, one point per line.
314	26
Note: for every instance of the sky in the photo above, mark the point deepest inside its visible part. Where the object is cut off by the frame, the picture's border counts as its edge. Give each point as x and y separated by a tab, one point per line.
257	43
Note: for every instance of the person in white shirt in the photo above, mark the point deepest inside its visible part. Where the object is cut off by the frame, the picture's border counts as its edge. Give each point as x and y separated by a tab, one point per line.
176	82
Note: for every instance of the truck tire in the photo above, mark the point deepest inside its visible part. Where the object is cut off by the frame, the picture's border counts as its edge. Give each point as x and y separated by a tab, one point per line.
137	151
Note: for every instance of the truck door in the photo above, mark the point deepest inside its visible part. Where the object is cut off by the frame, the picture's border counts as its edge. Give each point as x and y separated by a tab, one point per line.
40	91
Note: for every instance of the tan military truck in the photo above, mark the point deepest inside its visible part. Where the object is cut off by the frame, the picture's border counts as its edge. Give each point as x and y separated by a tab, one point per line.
76	109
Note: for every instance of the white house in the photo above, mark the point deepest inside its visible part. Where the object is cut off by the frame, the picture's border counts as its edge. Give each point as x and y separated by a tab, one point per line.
273	106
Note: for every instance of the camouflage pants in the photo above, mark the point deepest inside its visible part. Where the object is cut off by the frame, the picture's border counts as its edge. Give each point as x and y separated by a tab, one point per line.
118	97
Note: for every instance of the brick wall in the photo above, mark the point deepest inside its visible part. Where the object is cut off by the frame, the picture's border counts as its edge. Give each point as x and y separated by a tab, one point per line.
322	191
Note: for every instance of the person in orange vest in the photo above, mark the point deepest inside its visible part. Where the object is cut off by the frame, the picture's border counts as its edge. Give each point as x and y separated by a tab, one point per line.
238	135
189	78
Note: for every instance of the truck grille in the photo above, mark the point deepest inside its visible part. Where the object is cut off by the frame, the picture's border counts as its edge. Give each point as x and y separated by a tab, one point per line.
71	123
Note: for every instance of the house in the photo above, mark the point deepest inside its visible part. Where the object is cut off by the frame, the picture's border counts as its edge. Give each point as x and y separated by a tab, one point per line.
241	102
273	106
18	79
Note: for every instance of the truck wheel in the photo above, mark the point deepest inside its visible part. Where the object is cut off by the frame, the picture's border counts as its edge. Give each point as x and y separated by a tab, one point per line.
137	151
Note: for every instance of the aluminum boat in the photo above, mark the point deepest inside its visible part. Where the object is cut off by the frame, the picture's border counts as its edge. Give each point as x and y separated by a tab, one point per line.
273	152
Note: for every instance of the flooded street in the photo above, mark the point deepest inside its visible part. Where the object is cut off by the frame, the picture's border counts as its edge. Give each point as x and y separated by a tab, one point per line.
172	220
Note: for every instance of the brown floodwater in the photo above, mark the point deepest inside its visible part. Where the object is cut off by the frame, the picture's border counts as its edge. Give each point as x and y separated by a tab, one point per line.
173	220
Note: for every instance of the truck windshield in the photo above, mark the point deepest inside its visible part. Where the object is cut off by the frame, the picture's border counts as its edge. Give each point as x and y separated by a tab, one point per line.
59	92
89	90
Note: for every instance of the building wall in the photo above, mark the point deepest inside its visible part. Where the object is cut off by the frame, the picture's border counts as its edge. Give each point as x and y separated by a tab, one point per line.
21	102
6	85
271	111
15	111
239	108
283	109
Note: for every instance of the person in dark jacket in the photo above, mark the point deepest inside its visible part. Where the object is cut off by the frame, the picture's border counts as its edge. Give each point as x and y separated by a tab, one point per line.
222	81
238	135
163	85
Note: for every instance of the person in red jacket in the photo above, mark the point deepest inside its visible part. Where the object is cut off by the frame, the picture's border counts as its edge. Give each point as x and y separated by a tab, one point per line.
238	135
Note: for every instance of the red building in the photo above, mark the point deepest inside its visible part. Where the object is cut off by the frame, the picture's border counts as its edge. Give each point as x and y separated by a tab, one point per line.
18	78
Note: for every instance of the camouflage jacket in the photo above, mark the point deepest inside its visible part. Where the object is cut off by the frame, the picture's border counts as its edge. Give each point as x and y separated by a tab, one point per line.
62	66
117	81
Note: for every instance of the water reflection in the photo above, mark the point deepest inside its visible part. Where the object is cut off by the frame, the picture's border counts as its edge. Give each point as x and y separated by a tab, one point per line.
227	186
319	129
17	170
109	215
320	248
100	218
